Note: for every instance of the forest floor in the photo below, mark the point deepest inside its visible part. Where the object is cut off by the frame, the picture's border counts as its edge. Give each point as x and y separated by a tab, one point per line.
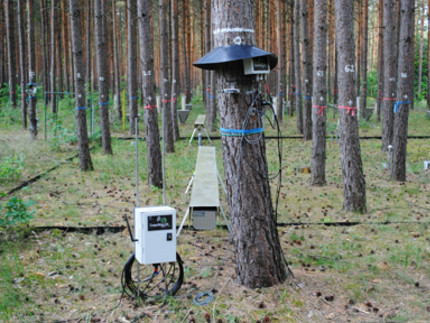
348	267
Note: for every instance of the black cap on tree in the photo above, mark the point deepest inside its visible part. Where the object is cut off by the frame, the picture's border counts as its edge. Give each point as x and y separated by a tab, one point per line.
227	54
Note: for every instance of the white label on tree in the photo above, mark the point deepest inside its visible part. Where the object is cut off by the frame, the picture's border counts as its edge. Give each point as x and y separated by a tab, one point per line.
349	68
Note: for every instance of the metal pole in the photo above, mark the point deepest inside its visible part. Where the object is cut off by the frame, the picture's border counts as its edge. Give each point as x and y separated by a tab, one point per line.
163	157
137	165
45	115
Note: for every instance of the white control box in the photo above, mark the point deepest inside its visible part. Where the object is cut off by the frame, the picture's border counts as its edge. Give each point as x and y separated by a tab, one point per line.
155	232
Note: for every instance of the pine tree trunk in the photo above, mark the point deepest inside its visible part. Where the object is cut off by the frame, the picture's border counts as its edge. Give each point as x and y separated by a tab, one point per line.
297	64
52	76
116	63
175	69
132	68
365	33
404	90
281	59
428	57
59	49
319	96
164	77
307	72
380	61
292	91
359	45
420	61
258	252
185	53
65	30
10	34
390	71
2	47
88	81
151	117
31	69
210	100
102	72
21	27
354	187
331	49
81	115
45	50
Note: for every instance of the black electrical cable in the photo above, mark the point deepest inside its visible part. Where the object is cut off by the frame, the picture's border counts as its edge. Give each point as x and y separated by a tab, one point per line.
132	290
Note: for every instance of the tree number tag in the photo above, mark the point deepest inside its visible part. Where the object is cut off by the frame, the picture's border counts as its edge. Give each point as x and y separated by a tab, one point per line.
349	68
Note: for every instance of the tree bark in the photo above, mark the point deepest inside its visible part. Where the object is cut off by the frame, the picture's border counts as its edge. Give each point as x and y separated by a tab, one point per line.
292	95
297	70
210	98
31	69
319	96
359	45
117	94
365	33
88	51
380	60
258	252
281	56
404	90
45	49
81	115
65	29
151	117
175	69
307	72
164	78
2	48
10	34
185	37
132	68
22	69
102	72
420	61
59	49
53	60
390	71
354	189
428	57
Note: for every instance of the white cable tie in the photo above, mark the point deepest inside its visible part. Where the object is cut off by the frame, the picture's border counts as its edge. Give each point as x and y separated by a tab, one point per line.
233	30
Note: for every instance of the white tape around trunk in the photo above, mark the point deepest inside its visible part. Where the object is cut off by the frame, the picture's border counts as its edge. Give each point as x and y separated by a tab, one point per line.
233	30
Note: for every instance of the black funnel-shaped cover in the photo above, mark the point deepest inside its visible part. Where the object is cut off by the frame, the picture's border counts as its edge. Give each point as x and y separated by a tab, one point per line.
232	53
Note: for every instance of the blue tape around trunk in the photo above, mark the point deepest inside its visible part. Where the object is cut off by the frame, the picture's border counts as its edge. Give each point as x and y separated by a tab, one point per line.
239	132
81	108
396	105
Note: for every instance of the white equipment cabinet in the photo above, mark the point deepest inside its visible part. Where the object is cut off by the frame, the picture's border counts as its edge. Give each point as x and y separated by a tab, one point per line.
155	232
